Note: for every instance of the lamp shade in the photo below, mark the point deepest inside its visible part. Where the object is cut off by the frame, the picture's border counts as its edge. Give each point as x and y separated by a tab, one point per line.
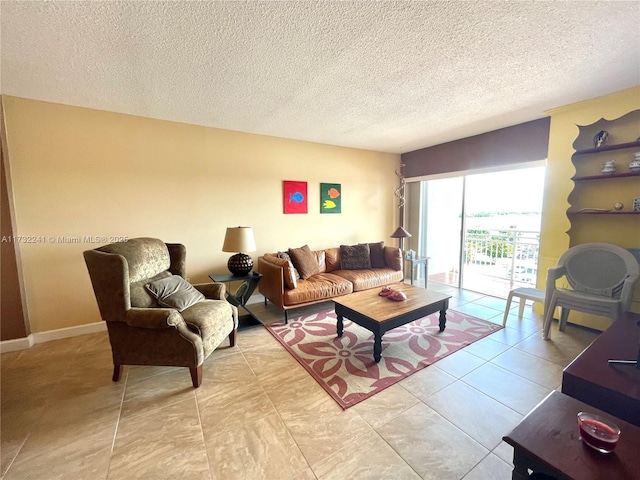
400	233
239	239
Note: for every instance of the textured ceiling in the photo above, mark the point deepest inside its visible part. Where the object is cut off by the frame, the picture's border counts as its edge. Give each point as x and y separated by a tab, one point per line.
385	76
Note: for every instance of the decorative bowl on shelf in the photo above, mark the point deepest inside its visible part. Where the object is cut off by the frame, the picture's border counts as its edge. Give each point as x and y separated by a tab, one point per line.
634	166
597	432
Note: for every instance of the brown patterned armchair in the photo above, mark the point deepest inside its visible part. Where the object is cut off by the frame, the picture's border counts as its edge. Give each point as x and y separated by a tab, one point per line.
134	283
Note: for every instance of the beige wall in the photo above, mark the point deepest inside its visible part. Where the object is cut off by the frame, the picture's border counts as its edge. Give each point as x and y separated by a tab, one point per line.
554	240
78	172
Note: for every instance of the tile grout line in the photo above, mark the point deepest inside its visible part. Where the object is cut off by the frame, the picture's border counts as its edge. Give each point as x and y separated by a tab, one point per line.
117	426
275	409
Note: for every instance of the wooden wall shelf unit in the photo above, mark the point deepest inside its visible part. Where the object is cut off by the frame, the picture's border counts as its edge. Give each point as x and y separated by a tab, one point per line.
608	148
602	213
592	214
606	177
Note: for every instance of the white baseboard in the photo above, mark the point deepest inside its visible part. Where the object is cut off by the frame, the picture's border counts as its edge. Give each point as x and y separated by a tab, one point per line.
58	334
42	337
17	344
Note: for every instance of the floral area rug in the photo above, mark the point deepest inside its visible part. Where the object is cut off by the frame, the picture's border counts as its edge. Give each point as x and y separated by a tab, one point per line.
345	367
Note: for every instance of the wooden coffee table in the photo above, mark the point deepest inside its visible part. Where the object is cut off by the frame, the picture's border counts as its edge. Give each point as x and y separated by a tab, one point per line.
380	314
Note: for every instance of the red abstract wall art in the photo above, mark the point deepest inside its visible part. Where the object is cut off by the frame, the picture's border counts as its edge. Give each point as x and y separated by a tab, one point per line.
294	196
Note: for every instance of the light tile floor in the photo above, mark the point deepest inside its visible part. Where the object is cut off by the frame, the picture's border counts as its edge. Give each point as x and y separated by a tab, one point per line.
259	415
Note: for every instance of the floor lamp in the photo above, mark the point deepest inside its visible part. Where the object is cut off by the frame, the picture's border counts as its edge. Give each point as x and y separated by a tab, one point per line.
400	234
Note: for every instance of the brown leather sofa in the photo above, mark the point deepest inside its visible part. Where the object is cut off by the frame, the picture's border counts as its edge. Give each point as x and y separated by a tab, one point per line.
332	279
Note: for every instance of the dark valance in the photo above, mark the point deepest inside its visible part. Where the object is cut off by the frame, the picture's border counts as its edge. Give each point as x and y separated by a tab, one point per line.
525	142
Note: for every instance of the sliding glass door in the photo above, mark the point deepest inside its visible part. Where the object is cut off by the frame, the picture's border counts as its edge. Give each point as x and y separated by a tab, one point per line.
502	230
441	228
481	231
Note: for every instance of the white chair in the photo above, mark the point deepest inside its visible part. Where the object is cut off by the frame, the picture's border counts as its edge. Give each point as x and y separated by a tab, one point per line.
523	293
601	276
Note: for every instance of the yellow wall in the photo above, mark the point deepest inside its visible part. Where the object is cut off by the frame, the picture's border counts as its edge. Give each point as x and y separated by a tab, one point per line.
79	172
554	240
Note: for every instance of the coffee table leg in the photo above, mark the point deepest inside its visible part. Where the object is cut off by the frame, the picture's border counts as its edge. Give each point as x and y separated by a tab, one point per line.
443	320
377	347
340	325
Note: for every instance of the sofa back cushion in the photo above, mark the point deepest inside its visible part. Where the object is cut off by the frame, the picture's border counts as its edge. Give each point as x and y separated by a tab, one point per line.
305	261
321	260
355	257
332	259
393	258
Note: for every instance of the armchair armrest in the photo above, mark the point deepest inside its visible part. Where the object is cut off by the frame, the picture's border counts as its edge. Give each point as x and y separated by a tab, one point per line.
626	296
153	318
214	291
553	274
272	283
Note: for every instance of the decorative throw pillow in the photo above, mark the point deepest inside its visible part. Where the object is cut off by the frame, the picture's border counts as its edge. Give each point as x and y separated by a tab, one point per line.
290	279
304	261
355	257
285	256
376	254
175	292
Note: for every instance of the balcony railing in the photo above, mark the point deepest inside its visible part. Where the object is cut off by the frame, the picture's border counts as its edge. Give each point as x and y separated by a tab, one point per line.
499	260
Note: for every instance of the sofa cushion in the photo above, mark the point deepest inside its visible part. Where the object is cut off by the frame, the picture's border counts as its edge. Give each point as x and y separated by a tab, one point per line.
320	257
213	320
393	258
322	286
376	254
175	292
304	261
366	279
332	259
354	257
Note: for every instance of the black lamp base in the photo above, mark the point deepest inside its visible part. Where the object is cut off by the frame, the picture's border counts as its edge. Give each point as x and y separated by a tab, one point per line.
240	264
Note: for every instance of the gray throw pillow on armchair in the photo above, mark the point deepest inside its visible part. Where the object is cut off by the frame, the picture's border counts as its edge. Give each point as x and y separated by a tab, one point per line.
175	292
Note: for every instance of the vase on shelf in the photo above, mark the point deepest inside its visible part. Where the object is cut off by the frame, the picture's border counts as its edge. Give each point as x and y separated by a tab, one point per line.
634	166
608	167
600	139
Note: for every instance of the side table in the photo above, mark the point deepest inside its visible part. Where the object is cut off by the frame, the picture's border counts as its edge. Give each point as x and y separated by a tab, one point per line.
242	294
547	441
419	261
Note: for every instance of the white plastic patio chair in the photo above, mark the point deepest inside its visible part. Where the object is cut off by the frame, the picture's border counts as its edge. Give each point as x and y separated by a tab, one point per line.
601	276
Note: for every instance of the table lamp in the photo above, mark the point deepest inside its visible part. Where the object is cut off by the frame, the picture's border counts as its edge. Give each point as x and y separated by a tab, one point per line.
239	239
401	234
